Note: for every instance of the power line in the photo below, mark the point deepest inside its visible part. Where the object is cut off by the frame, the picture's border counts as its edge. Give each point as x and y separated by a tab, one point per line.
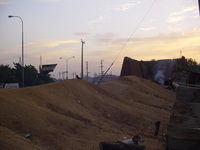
128	39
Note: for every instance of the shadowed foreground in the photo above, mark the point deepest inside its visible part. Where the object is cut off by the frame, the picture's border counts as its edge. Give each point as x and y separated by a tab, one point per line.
77	115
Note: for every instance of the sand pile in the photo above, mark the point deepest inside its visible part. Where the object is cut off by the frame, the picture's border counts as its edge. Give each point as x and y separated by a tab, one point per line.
77	115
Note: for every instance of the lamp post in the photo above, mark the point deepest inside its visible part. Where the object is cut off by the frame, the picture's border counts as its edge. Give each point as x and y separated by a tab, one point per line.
22	48
67	65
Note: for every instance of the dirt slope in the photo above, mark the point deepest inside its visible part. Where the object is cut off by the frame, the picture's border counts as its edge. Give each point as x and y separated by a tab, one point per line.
77	115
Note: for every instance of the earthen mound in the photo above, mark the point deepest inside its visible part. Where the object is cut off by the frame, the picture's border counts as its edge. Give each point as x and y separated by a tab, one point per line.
77	115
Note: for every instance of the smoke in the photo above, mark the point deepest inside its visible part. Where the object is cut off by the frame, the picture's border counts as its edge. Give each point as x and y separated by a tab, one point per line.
162	70
159	77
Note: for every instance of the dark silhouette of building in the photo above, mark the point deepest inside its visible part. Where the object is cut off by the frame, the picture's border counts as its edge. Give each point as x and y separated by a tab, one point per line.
161	70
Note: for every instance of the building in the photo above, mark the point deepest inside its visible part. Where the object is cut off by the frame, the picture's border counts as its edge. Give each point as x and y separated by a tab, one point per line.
161	70
183	131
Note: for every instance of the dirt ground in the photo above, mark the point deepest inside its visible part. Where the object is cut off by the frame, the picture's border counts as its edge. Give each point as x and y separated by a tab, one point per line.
77	115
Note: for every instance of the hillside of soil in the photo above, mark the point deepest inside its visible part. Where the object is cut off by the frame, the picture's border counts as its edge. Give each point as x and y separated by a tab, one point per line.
77	115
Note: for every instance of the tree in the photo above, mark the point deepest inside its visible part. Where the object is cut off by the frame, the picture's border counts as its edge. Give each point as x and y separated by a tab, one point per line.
7	74
45	78
31	75
192	63
18	72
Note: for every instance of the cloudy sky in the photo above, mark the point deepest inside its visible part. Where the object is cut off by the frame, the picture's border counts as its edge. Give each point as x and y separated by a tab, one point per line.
111	29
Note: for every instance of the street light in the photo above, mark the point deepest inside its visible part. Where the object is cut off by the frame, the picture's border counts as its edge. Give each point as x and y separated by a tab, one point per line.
22	48
67	65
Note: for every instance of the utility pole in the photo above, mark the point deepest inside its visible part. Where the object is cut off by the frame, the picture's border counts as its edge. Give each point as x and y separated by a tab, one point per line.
20	61
40	67
102	67
63	73
87	69
83	42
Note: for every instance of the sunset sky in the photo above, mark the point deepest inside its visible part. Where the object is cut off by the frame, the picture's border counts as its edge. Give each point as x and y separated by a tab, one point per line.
112	29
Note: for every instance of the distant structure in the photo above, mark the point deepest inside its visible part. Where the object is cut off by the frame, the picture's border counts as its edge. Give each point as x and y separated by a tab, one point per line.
161	70
45	69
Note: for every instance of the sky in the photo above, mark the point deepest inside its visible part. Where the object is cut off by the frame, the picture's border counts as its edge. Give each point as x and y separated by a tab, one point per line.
112	29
